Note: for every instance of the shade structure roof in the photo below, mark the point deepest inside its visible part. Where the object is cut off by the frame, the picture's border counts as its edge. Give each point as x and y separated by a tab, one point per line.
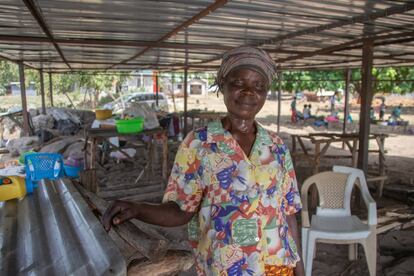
114	35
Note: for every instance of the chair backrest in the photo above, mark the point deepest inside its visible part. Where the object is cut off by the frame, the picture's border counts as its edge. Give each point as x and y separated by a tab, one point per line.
43	166
334	189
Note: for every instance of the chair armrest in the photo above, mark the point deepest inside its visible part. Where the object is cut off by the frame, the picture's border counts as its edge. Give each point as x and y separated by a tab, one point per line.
370	203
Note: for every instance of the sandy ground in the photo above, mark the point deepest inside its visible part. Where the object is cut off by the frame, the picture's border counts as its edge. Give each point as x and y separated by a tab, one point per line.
332	259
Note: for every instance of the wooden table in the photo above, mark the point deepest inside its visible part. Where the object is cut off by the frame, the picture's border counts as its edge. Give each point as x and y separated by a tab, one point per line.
14	116
322	142
94	136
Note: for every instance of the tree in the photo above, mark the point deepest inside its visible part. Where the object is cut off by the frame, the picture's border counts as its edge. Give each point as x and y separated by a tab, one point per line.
8	72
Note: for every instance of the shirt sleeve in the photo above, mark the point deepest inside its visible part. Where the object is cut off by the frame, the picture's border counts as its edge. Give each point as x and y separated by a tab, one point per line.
184	185
291	197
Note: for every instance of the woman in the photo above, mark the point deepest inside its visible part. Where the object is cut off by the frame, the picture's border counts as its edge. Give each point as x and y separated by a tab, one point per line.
234	180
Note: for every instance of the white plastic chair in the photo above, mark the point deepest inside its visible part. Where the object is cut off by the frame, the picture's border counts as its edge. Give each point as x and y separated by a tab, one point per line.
333	222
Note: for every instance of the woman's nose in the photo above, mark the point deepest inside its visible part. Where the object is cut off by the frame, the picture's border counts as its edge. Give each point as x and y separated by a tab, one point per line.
247	91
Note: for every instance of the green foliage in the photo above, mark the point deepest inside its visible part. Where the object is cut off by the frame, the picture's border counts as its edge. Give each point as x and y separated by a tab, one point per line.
294	81
9	72
385	80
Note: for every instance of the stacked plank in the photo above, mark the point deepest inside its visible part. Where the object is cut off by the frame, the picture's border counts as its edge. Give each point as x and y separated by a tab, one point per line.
146	250
397	218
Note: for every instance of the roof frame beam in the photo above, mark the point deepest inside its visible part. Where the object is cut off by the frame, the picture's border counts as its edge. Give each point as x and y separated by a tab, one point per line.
111	42
346	45
353	20
2	56
217	4
31	6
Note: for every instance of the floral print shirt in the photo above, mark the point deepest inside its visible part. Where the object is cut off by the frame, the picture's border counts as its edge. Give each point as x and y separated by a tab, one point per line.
241	201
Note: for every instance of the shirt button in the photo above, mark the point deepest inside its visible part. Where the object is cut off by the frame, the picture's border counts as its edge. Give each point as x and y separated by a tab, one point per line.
257	239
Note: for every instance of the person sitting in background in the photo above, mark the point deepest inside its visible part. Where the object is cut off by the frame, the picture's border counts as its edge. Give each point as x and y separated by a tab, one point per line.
306	112
382	110
372	115
396	113
333	102
294	111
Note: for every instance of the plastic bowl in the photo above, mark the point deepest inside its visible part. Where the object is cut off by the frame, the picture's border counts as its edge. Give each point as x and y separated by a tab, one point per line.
21	158
71	171
103	114
130	125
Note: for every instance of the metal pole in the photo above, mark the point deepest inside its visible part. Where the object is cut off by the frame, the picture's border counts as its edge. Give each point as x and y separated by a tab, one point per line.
42	91
279	99
26	128
346	109
50	89
172	90
156	89
185	101
366	98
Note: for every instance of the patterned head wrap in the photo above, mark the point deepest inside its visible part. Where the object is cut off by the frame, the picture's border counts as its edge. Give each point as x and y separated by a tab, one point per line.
247	57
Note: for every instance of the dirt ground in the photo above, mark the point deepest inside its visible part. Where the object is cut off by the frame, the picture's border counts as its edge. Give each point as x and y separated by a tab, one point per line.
332	259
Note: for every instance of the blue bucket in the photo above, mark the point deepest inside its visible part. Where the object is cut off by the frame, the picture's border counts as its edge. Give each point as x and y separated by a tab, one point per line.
72	171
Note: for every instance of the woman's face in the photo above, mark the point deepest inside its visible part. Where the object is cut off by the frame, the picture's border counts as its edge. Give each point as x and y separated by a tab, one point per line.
245	92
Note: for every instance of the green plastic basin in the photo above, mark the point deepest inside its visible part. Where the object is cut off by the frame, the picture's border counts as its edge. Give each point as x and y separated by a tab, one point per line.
134	125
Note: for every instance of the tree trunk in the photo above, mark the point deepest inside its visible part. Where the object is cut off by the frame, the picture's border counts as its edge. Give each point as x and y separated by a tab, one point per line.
95	99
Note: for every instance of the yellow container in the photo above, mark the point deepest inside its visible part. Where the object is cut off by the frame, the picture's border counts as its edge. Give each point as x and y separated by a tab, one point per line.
103	114
12	187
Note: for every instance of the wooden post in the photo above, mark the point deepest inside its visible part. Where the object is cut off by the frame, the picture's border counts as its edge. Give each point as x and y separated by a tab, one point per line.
294	149
156	89
42	91
185	85
279	99
366	98
50	89
346	109
172	91
317	158
26	127
165	158
185	101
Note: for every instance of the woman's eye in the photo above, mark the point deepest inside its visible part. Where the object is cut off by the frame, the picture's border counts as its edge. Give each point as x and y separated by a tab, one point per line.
260	88
238	83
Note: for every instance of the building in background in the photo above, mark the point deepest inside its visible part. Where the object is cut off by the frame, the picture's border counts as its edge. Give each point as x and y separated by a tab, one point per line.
14	89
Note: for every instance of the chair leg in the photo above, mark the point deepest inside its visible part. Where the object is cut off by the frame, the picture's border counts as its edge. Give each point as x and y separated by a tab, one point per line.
305	232
353	252
370	249
309	254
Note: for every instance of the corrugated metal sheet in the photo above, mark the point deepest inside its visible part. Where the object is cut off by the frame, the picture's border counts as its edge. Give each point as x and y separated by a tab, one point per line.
53	232
133	34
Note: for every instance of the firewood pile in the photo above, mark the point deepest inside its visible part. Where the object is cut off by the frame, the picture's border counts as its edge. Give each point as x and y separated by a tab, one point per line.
147	249
396	218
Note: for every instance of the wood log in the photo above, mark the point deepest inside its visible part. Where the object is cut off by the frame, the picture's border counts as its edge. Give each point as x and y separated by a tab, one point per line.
157	195
138	235
171	264
116	187
125	193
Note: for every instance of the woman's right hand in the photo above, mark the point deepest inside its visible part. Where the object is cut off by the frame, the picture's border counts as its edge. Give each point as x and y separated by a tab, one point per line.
164	214
119	212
